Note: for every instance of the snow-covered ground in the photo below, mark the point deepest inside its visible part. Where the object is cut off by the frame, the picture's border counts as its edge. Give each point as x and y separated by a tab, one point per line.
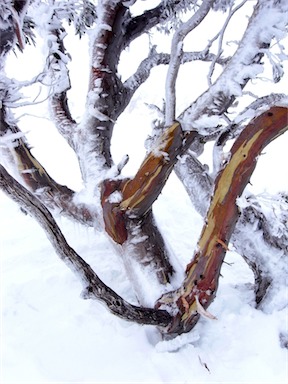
49	334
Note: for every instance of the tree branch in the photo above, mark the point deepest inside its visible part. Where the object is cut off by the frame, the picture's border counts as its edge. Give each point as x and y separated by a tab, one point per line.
155	59
127	204
243	66
138	25
201	281
103	104
261	259
196	180
176	58
57	68
11	20
36	178
93	286
232	11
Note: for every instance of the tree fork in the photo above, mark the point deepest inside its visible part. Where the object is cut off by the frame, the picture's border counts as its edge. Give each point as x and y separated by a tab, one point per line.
134	211
139	193
202	274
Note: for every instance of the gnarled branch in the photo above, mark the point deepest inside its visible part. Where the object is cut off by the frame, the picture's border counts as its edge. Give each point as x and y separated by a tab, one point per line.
35	176
201	281
94	288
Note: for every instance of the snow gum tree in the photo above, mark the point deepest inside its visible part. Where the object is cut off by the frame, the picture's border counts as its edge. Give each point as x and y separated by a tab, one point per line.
123	207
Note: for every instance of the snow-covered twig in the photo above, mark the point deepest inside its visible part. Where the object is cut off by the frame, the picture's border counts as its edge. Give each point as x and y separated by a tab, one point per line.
154	59
243	66
164	11
57	61
221	36
176	56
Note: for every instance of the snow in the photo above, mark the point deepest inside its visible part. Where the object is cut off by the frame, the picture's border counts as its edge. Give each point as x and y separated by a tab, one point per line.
50	334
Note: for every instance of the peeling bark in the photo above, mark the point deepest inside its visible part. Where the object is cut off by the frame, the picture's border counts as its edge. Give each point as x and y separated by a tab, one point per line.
132	214
128	216
203	272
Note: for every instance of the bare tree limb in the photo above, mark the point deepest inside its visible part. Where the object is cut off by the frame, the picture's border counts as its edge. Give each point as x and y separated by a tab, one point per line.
58	58
94	288
236	126
36	178
232	11
219	97
138	25
201	282
176	58
199	186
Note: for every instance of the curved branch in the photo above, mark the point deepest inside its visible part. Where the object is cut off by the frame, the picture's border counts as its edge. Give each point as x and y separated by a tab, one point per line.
243	66
232	11
235	127
202	274
199	186
155	59
57	66
36	178
62	117
138	25
176	58
93	286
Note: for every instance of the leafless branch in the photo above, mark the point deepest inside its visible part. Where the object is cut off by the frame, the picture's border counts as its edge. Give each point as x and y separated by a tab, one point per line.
176	58
218	98
94	288
34	175
155	59
232	12
57	64
136	26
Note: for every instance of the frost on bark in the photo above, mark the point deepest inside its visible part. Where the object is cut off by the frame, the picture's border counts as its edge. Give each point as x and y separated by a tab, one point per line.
124	206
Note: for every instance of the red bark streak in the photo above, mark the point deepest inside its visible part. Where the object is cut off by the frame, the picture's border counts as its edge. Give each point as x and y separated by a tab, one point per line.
100	65
140	193
203	272
114	218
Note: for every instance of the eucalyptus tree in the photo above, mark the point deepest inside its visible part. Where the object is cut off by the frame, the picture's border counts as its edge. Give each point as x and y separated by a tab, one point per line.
123	206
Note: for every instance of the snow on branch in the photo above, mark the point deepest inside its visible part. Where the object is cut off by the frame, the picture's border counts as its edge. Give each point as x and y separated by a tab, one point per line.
94	288
176	57
165	11
17	154
11	22
232	11
268	21
155	59
58	74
